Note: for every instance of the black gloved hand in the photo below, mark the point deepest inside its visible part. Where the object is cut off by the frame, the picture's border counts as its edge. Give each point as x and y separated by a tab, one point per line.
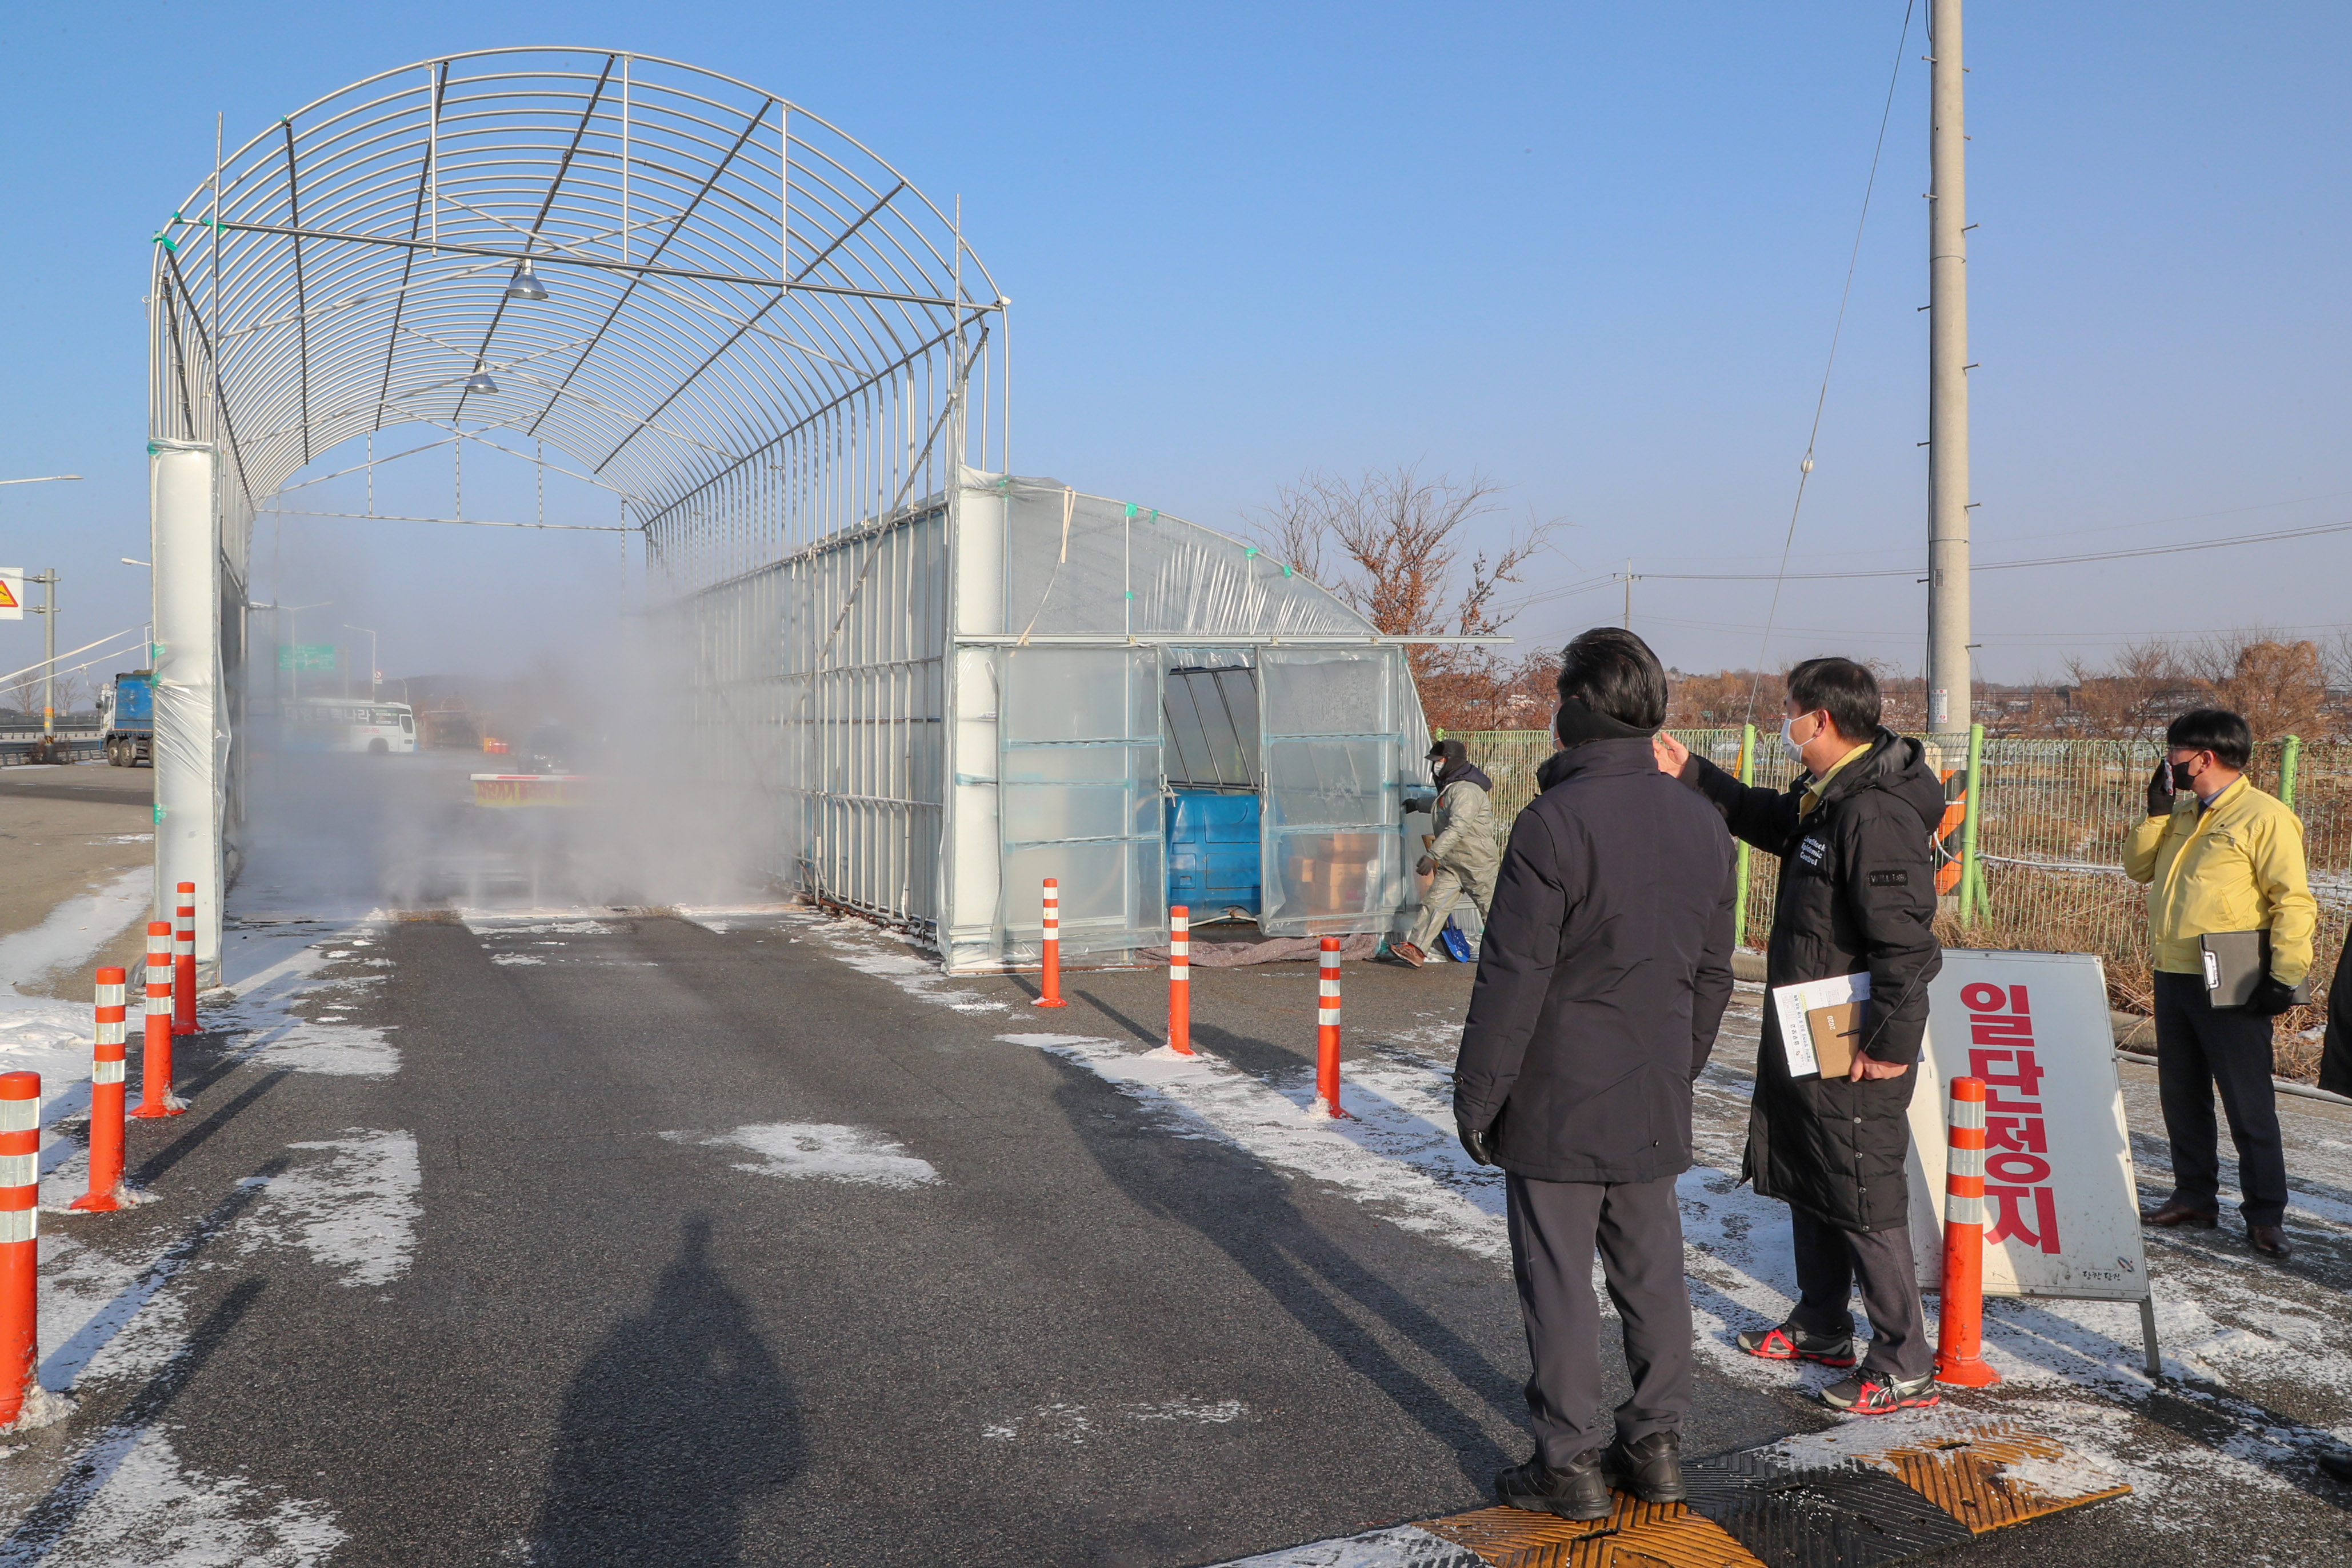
1423	867
2159	791
1474	1145
2272	996
1420	803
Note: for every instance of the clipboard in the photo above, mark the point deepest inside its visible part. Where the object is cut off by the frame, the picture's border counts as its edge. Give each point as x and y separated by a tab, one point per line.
2235	962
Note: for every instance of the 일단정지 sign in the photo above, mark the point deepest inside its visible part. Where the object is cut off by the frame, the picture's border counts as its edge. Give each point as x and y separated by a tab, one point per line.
2062	1202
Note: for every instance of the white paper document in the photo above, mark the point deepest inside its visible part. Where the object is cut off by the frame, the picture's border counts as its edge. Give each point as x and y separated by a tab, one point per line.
1791	1002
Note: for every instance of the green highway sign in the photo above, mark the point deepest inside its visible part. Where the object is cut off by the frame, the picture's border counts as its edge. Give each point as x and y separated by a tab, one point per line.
307	655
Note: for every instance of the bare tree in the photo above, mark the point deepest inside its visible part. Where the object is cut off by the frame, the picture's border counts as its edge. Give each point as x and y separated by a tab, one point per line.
2135	696
1392	544
2279	686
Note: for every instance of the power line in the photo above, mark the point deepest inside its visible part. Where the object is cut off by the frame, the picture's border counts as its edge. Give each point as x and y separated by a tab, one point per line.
1853	258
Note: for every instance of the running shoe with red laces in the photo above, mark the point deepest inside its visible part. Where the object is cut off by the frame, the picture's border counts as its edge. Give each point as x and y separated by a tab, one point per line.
1789	1343
1875	1394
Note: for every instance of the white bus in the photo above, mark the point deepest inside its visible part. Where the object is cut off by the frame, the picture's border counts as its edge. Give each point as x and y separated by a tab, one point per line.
345	724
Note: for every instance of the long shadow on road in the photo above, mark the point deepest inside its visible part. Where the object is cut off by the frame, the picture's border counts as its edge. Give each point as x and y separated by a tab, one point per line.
676	1425
1250	1217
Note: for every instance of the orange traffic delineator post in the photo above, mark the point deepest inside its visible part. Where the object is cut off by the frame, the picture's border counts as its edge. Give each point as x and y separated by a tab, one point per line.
20	1160
155	1096
1327	1030
183	963
1959	1337
106	1096
1179	980
1049	989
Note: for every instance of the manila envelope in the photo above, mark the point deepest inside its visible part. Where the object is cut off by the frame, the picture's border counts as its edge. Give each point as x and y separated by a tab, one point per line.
1837	1035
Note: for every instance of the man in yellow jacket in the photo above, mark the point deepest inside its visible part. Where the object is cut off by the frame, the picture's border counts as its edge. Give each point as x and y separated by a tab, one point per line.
2218	854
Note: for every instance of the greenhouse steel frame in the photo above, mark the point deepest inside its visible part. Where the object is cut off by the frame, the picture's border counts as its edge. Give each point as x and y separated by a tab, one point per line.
789	371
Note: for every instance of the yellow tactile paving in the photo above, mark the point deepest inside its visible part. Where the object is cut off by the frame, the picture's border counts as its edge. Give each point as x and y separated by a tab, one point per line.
1996	1474
1985	1474
1637	1535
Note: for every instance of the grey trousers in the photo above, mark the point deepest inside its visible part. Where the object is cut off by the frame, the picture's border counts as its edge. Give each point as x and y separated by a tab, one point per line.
1829	1263
1447	886
1638	1227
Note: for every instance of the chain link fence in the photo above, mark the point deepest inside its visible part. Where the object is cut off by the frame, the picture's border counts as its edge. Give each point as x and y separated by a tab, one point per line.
2050	821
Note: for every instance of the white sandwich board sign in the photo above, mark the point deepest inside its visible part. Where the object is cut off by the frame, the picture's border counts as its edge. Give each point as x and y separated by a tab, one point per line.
2061	1200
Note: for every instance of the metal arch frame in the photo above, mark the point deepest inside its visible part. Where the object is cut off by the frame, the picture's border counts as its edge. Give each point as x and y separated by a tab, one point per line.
754	319
759	336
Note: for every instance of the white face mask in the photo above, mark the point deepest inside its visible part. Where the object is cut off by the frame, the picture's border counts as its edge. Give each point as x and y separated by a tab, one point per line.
1790	744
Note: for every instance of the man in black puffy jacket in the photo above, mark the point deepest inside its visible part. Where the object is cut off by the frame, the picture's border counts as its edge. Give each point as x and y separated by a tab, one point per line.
1603	975
1857	896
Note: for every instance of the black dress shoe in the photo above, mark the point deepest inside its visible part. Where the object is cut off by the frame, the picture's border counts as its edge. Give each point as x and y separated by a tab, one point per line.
2269	1240
1577	1490
1652	1470
2175	1211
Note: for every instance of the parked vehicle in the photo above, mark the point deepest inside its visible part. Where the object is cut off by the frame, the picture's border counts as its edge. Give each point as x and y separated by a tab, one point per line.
126	711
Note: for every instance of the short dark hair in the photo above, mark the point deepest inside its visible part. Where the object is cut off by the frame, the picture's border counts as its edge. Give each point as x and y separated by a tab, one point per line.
1613	672
2215	730
1844	689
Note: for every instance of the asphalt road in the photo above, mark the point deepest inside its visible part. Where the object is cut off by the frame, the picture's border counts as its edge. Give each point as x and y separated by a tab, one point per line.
748	1241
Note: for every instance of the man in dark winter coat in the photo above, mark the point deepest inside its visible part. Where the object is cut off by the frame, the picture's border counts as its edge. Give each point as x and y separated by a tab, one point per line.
1857	896
1603	975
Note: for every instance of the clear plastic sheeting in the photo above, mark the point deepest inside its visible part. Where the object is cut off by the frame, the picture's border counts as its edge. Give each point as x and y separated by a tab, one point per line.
1330	739
1116	655
1077	564
1080	780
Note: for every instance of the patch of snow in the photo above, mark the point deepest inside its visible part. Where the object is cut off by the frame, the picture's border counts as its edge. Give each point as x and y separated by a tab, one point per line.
482	923
817	1150
1383	1154
859	945
130	1498
1063	1422
516	958
1404	1546
76	927
355	1211
342	1050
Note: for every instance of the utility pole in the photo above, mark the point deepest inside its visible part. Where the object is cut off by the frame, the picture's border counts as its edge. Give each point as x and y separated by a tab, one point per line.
1949	706
47	610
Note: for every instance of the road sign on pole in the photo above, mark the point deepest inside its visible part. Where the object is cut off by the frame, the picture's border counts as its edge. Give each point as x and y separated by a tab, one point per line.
306	655
12	593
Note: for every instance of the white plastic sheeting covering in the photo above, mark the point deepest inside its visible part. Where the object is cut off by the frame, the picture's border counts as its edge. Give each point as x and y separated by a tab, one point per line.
940	710
191	732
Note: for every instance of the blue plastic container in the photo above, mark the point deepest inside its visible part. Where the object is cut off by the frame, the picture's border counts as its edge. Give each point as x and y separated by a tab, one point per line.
1213	852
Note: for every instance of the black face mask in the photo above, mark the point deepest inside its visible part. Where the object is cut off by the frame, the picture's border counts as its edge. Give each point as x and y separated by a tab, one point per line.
2181	779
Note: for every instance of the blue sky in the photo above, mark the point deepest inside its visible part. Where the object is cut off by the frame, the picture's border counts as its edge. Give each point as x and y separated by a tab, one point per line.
1592	252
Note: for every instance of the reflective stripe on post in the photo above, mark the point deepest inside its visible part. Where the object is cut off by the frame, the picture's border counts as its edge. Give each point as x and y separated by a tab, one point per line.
155	1096
1179	980
106	1094
1049	989
1959	1337
1327	1030
183	963
20	1159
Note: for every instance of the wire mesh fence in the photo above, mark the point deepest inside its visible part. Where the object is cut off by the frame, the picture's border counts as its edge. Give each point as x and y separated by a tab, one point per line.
2051	816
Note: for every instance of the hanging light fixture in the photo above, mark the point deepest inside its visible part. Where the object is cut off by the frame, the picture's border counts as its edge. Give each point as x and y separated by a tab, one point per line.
525	283
480	382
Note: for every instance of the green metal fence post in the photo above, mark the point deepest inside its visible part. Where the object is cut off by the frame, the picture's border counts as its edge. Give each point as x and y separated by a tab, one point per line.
1747	776
1975	804
2290	763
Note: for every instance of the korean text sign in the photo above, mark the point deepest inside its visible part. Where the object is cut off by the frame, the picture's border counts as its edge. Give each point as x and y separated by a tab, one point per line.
2062	1204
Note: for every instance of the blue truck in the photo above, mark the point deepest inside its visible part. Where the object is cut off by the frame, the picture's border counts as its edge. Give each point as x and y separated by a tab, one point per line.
126	709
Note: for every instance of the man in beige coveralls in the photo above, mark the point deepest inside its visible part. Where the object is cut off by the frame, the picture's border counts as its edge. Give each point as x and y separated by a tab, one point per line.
1462	856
